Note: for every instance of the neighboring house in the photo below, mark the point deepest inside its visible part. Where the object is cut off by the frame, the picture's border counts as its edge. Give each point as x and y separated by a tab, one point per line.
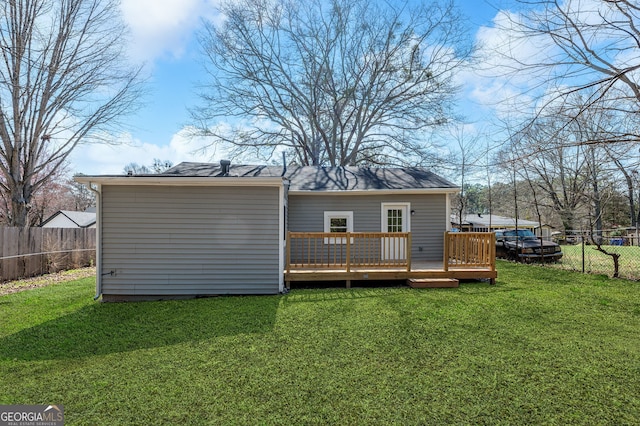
492	222
203	229
70	219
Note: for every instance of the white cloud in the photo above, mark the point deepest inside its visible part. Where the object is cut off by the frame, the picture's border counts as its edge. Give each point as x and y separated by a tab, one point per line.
504	49
164	27
98	159
105	159
499	83
510	76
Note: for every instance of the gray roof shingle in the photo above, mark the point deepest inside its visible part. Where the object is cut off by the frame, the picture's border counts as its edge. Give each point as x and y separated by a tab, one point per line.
312	178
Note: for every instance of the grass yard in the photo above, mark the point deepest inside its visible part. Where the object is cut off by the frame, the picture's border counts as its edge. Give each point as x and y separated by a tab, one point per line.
600	263
542	346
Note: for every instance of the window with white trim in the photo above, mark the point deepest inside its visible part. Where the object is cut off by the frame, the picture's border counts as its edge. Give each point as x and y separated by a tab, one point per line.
337	222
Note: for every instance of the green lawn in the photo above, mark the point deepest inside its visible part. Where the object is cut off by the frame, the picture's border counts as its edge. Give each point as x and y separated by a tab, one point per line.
600	263
541	347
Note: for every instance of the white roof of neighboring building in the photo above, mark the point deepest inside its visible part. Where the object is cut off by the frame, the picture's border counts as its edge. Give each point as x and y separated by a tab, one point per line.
79	219
483	221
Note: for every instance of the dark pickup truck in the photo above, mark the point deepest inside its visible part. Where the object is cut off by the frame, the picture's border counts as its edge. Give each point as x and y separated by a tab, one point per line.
522	245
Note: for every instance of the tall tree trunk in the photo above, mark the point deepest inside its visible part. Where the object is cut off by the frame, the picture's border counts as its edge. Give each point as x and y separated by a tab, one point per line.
568	220
597	204
19	211
629	180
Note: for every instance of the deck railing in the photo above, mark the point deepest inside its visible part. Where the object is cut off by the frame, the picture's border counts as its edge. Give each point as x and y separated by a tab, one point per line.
344	251
325	250
469	249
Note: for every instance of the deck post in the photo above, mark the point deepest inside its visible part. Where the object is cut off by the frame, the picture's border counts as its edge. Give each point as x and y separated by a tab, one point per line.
288	260
446	251
348	253
288	252
492	250
408	251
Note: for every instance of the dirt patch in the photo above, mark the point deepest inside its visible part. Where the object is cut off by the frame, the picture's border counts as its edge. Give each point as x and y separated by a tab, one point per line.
45	280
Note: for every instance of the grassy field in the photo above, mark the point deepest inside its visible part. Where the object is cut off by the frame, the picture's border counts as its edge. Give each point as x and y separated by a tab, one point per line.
541	347
600	263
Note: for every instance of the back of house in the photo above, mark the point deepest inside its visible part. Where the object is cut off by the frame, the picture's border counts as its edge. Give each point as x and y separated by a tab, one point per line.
203	229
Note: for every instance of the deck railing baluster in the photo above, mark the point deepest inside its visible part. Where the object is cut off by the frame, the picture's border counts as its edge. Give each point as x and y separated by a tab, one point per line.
464	249
381	250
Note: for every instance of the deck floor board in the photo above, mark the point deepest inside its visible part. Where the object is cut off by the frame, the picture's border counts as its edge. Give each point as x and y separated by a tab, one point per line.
423	269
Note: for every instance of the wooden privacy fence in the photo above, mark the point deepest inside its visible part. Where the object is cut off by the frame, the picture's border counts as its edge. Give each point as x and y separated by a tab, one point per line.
346	250
27	252
469	249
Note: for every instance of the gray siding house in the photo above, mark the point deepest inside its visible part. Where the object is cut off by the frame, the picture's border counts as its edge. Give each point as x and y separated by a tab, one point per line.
203	229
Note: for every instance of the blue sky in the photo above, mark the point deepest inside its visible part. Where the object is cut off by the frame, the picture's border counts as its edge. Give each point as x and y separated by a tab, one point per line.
163	37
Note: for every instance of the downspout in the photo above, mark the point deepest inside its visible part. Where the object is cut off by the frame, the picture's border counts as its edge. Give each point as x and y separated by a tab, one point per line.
283	197
98	193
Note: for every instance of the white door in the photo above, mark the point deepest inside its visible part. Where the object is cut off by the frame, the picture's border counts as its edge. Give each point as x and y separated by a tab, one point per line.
395	218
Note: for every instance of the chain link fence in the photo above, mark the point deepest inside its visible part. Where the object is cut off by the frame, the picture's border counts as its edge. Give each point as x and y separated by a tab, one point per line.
581	254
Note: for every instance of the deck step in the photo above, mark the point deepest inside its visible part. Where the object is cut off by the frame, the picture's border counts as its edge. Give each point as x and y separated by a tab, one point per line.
432	282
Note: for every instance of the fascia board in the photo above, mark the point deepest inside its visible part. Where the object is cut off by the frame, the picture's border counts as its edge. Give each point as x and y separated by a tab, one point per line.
180	181
415	191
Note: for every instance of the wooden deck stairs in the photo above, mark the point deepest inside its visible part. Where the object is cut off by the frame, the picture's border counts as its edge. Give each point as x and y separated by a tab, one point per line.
433	282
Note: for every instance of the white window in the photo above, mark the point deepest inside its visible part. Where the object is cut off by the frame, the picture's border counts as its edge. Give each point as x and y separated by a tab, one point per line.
337	222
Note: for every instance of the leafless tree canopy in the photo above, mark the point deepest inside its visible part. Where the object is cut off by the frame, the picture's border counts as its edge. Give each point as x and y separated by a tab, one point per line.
560	157
583	46
158	166
338	82
63	80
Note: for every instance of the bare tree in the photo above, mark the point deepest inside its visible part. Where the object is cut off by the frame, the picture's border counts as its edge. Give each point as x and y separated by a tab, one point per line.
338	82
158	166
58	193
63	80
554	164
627	161
466	158
83	197
566	151
50	197
581	46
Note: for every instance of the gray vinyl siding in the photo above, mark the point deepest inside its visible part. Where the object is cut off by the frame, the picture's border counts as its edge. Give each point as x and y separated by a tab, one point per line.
428	224
188	241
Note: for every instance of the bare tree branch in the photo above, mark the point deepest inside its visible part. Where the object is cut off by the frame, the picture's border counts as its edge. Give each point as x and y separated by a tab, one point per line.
63	80
584	46
329	81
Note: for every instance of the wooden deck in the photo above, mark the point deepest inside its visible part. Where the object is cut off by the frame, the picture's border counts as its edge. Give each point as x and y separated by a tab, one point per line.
385	256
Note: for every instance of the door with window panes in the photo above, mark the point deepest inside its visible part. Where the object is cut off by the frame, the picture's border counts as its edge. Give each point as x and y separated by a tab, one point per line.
395	218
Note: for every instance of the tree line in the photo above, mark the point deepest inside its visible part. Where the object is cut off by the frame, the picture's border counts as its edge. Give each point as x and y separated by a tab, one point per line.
569	154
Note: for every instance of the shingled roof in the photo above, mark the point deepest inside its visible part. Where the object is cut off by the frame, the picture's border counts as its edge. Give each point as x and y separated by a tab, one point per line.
81	219
313	178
